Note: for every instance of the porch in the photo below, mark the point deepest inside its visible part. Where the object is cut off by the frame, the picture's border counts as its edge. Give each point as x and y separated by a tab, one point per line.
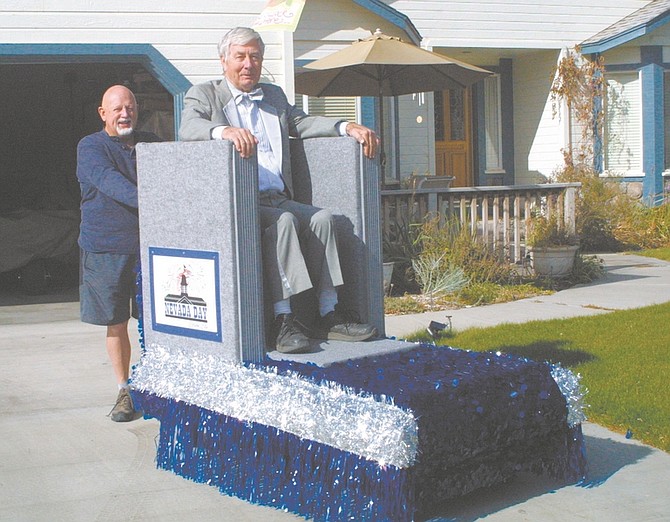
499	215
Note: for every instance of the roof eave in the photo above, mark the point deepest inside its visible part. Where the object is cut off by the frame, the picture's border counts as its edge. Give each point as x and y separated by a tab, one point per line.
624	37
394	16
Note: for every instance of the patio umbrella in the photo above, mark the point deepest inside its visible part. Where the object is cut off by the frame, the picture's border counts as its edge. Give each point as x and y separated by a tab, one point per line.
382	65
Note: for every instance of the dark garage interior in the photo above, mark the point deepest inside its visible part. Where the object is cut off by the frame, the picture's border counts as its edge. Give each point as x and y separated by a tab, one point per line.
47	109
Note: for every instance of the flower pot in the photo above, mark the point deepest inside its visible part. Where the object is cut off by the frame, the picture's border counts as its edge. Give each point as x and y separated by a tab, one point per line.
556	261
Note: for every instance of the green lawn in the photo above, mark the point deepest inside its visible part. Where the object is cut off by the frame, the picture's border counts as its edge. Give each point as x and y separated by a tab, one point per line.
658	253
623	358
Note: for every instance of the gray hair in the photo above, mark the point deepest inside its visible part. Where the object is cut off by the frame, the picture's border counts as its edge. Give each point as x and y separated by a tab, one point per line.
239	36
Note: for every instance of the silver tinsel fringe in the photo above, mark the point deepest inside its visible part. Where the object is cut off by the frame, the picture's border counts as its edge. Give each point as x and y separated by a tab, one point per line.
573	392
324	412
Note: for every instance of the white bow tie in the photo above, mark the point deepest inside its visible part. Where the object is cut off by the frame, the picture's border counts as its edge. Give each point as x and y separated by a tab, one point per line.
255	95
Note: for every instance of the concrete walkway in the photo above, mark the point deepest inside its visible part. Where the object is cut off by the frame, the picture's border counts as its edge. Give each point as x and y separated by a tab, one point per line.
630	282
61	457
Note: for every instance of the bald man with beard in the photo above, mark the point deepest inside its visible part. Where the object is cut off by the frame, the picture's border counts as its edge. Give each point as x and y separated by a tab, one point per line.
109	232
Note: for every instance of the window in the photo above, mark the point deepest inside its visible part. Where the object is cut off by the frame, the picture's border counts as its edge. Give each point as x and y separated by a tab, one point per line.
450	115
343	107
493	125
623	125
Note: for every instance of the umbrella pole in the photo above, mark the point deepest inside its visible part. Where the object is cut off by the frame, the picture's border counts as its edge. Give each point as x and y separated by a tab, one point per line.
382	154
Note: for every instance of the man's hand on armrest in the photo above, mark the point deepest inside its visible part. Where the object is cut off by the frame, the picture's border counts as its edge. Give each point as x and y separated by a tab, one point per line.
244	141
365	137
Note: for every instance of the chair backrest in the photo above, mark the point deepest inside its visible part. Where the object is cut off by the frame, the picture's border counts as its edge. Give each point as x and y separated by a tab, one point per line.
200	239
332	173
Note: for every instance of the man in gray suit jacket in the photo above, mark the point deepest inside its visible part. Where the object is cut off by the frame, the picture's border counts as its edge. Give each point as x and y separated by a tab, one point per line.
299	244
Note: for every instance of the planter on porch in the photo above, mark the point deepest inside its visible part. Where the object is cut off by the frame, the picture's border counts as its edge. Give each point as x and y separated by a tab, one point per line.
388	275
554	261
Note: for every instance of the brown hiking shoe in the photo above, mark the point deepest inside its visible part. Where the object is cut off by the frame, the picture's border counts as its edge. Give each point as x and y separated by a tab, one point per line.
123	410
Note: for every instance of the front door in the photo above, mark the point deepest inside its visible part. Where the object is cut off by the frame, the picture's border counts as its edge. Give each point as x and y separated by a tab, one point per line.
453	148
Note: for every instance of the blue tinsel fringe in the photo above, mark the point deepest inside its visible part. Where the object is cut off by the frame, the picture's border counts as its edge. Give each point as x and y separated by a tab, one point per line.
267	466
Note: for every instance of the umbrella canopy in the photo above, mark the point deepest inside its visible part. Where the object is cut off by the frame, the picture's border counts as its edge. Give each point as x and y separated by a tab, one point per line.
384	65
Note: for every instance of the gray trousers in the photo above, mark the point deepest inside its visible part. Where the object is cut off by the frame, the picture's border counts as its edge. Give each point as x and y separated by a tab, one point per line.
299	247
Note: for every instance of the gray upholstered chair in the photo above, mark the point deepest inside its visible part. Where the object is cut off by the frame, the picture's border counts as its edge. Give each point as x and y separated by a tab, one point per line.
201	197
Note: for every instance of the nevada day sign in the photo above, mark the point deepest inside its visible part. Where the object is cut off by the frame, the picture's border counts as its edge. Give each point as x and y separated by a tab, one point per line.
185	292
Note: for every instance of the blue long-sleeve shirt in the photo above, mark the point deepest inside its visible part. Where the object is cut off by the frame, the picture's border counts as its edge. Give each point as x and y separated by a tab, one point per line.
107	173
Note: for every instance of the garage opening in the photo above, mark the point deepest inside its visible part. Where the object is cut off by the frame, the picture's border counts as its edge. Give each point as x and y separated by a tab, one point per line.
47	109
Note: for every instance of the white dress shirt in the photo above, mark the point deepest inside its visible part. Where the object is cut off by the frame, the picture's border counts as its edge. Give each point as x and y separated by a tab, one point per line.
269	169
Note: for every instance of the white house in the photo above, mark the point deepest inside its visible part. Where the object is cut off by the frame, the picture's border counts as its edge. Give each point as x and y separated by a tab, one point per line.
57	57
636	50
503	130
513	138
499	131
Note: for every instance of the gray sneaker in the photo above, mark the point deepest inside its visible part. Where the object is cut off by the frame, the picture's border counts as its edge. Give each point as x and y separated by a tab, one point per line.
343	326
123	410
290	338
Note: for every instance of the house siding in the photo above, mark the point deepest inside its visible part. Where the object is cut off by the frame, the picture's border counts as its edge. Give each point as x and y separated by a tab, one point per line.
414	135
622	56
329	25
511	23
636	144
538	137
186	33
531	35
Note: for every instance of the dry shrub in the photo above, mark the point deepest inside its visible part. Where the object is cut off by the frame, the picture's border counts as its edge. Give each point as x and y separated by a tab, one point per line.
642	227
598	206
458	247
608	219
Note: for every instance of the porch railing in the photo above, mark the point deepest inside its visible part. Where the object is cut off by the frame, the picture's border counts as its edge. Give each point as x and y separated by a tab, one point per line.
499	215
